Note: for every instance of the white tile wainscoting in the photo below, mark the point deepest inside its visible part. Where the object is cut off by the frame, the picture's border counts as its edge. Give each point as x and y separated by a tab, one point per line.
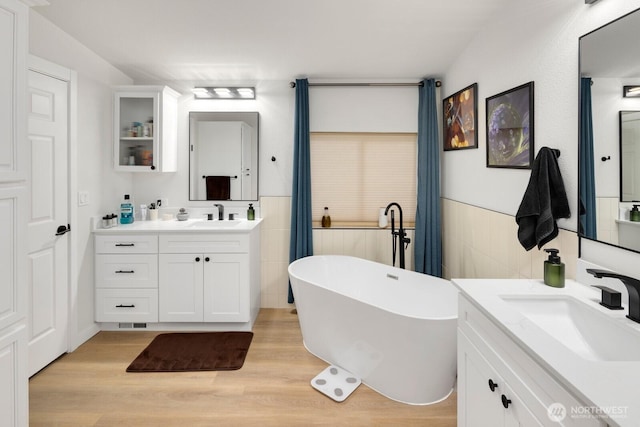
477	243
607	209
368	243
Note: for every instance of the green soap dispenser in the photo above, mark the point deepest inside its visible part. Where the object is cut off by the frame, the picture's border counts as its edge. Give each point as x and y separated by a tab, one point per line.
553	270
251	213
634	214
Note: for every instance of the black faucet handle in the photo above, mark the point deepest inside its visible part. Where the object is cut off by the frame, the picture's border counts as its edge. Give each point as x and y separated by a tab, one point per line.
611	298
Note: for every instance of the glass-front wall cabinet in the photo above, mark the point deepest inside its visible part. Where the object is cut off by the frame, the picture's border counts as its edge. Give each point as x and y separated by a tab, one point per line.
145	129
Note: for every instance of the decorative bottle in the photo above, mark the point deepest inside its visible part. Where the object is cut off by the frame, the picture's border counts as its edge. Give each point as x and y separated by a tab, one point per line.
634	215
554	270
326	218
251	213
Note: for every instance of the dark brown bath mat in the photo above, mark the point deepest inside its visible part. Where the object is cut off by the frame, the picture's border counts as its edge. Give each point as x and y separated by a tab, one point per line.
194	351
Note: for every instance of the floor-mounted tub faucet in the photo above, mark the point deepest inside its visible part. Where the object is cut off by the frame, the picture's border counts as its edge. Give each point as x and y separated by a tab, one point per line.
632	285
220	211
399	235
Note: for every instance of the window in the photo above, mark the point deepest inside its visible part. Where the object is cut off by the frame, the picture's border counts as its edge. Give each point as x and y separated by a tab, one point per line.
355	174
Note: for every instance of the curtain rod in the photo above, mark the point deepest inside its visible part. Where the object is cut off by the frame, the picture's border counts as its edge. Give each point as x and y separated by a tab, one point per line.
293	84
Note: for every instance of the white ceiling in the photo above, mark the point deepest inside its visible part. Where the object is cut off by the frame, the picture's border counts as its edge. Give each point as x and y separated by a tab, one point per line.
226	41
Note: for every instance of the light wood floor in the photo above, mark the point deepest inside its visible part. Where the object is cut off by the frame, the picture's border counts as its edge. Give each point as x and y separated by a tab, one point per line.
90	387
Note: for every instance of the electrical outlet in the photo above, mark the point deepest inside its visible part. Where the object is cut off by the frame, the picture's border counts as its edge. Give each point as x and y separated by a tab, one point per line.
83	198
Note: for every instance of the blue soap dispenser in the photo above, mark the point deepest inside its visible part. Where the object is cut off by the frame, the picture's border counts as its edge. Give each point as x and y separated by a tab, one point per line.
553	270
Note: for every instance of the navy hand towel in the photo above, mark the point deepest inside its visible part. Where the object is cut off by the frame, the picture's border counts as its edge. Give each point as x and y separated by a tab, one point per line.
544	201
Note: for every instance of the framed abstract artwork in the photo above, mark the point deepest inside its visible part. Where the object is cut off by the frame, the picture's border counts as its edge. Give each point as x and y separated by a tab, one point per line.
510	128
460	117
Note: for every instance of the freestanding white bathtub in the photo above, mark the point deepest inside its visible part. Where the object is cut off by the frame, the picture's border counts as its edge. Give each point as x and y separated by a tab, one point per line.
395	329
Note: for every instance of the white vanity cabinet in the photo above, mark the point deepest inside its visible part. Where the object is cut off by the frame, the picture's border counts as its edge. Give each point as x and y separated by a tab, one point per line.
499	384
178	275
484	396
126	277
205	278
145	129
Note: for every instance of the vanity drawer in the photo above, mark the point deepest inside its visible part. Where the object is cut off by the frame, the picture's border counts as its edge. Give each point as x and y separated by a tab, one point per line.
126	305
127	271
204	243
126	244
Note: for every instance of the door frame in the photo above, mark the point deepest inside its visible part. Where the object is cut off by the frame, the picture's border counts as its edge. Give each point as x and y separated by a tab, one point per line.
51	69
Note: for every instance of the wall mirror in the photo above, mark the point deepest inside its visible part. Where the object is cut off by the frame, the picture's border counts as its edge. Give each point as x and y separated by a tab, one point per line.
610	58
630	156
223	155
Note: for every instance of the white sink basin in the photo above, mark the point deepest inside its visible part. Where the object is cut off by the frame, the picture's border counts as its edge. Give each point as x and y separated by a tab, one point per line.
212	225
582	329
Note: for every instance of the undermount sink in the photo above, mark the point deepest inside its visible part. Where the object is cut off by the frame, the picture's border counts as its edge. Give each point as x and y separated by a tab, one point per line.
582	329
216	224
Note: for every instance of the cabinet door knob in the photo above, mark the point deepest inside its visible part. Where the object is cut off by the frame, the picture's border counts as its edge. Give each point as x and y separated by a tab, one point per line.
153	168
197	259
505	401
493	386
207	259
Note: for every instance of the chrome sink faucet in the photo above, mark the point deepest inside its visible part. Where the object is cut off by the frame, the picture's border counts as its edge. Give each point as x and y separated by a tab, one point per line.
220	211
632	285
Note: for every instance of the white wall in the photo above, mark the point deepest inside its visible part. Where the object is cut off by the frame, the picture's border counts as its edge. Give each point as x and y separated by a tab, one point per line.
363	109
94	171
529	41
369	109
274	102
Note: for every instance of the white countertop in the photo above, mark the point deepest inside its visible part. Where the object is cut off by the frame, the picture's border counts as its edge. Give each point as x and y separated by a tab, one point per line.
188	226
609	385
627	222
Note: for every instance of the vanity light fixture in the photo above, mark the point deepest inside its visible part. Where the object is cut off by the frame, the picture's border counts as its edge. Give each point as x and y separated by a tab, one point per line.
224	92
630	91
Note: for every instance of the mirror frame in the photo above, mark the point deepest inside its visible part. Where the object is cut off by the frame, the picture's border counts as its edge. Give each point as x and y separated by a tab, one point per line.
621	113
580	70
251	117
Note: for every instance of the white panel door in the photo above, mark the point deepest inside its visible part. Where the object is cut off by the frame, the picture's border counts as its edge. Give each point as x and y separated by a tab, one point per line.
47	104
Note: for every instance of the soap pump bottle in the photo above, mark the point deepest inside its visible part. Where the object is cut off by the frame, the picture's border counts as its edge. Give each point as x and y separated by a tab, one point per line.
554	270
251	213
326	218
634	215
